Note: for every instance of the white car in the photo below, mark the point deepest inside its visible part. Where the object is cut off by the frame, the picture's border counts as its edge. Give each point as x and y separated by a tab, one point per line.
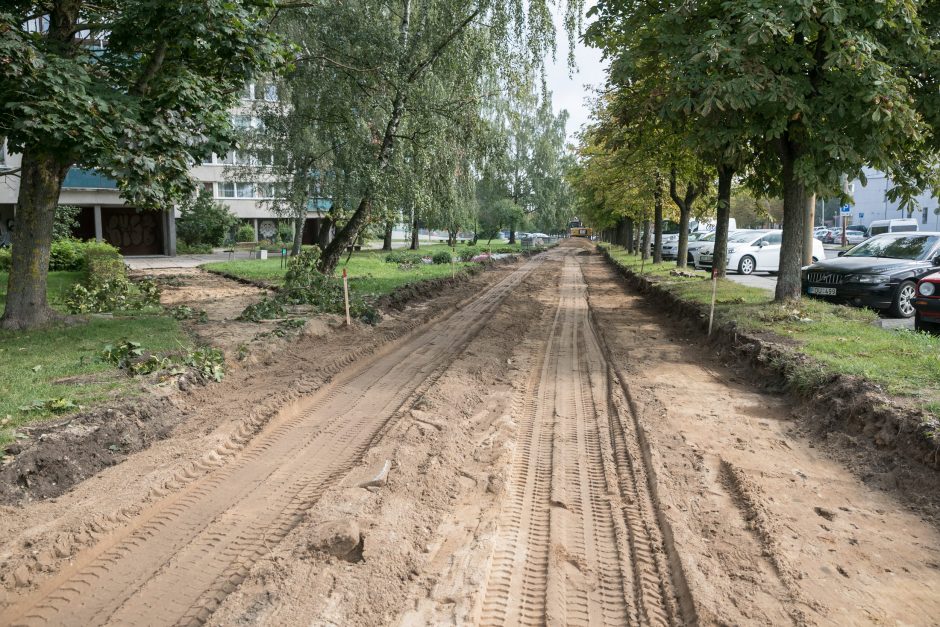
696	241
753	251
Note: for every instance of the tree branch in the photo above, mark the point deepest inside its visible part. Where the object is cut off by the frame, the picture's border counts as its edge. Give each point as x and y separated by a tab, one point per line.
439	49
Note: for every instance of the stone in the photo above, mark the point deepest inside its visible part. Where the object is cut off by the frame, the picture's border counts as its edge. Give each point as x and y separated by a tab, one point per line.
21	576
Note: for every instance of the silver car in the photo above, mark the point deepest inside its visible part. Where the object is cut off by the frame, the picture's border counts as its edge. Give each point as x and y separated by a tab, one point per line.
671	246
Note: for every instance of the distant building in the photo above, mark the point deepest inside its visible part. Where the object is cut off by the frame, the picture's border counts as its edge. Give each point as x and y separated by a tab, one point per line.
106	217
871	203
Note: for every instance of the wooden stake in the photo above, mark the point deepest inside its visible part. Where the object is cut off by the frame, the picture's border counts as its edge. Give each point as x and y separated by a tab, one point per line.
711	315
346	296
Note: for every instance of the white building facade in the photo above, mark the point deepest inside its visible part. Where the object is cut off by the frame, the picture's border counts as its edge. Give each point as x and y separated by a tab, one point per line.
106	217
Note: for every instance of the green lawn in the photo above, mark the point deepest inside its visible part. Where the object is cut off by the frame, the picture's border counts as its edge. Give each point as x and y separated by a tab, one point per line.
59	285
841	338
62	362
369	274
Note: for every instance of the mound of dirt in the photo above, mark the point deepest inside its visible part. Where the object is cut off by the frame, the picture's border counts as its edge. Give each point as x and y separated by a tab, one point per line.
60	454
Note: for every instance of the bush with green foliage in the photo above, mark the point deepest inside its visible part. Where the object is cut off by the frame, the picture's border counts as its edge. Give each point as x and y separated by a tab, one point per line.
468	253
114	294
442	257
285	233
185	248
304	284
67	255
6	259
103	262
245	233
66	222
205	221
403	256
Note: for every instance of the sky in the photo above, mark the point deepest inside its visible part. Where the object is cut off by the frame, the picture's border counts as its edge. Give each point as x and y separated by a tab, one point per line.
570	92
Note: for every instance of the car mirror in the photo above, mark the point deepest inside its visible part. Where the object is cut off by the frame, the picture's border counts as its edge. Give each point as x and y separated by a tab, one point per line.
761	243
841	252
936	260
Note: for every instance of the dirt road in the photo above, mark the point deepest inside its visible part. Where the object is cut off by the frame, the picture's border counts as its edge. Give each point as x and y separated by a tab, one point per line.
555	454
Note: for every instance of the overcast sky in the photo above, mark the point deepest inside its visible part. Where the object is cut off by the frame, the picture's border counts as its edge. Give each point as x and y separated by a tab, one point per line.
570	92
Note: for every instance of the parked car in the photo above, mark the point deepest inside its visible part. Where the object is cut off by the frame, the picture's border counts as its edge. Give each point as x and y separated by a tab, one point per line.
927	304
861	228
753	251
880	273
892	226
671	247
834	236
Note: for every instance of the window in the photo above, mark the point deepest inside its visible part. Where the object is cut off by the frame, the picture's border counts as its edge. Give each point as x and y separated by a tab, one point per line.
270	93
773	238
245	190
227	190
249	92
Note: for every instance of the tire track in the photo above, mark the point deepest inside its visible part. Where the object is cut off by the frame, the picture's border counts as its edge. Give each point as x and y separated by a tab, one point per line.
602	560
178	559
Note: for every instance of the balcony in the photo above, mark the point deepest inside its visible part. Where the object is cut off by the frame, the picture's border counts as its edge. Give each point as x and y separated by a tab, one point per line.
87	179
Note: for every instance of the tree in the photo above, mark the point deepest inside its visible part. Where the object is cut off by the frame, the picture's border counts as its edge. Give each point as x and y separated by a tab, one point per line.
382	55
137	90
811	90
204	221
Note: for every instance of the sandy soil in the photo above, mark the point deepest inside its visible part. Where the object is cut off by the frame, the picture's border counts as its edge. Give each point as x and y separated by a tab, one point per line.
549	451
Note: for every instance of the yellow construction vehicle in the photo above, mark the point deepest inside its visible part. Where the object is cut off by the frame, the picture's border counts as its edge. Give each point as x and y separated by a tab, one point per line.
577	229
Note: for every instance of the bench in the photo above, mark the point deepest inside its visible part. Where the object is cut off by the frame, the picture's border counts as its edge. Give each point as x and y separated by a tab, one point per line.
356	248
250	247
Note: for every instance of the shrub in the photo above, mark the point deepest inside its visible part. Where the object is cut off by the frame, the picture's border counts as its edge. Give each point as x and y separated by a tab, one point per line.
285	233
203	221
403	256
304	284
66	255
185	248
245	233
468	253
66	222
6	259
103	262
442	257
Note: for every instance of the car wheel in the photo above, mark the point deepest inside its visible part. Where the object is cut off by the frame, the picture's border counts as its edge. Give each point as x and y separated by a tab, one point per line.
903	306
746	265
691	259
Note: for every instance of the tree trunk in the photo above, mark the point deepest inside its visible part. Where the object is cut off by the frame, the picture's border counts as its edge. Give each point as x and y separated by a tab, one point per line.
809	217
512	235
387	241
323	234
451	238
414	232
630	244
794	206
41	177
720	251
657	222
299	223
645	245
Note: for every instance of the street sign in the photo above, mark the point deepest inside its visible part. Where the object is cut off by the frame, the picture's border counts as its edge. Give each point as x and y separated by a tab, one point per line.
845	210
861	215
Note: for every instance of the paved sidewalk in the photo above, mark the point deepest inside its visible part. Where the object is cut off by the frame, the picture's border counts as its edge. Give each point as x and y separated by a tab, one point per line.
180	261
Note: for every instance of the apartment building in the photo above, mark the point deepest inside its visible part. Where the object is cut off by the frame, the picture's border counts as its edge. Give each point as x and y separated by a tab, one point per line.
235	180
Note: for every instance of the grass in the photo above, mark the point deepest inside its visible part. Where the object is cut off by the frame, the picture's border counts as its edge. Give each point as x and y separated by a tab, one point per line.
369	274
62	362
842	339
59	285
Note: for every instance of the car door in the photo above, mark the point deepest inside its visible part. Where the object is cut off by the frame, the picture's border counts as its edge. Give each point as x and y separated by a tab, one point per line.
768	253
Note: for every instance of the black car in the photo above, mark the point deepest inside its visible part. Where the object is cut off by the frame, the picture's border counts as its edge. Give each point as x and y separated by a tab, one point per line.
880	273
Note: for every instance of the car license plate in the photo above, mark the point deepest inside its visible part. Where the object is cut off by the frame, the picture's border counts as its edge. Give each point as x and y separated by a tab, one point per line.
822	291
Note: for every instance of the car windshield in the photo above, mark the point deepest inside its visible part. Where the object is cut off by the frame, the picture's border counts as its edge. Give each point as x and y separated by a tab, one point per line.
896	247
707	237
745	236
